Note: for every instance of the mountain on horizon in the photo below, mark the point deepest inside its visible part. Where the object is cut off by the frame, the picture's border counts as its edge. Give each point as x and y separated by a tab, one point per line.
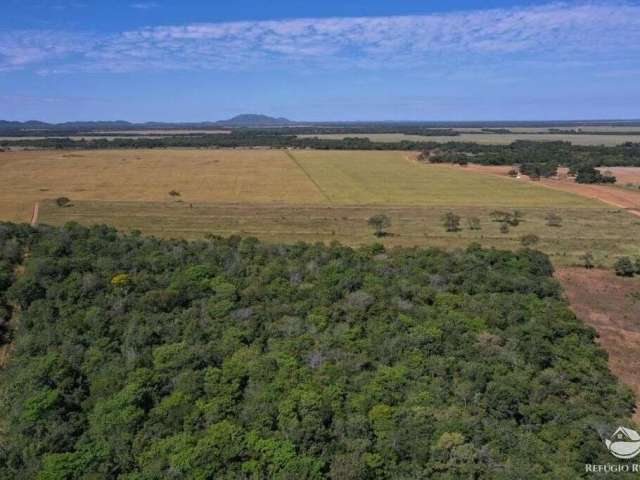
255	119
248	119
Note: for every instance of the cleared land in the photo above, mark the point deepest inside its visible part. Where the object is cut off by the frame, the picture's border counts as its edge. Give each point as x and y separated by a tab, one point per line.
491	138
394	178
611	305
612	195
281	195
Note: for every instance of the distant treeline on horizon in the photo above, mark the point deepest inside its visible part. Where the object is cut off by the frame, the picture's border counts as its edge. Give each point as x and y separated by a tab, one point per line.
16	128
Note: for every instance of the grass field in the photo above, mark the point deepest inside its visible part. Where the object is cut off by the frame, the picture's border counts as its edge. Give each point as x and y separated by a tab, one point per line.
492	138
394	178
284	196
605	232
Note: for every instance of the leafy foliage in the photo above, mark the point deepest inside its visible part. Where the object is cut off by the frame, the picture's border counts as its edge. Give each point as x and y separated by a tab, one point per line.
233	359
379	222
624	267
588	174
451	222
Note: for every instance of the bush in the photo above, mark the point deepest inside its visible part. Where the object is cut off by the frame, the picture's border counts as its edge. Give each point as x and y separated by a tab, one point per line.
624	267
473	223
529	240
554	220
63	201
379	223
451	222
587	260
589	174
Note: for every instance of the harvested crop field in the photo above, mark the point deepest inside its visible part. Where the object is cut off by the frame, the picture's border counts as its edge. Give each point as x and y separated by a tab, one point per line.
253	176
285	195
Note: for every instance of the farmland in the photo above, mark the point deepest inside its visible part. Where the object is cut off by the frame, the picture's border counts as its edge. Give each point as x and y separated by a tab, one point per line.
493	138
284	196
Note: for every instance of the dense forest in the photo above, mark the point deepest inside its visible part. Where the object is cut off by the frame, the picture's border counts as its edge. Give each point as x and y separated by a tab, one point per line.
137	358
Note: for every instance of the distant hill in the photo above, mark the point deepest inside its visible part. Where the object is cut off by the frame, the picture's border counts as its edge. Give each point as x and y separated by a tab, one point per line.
66	126
254	119
239	120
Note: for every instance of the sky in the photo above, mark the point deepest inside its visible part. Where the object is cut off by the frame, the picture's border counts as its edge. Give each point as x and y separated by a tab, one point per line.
447	60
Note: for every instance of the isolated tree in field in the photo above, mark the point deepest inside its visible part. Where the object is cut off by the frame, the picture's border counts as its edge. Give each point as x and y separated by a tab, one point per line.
516	218
62	201
587	260
173	193
624	267
379	223
451	222
529	240
554	220
473	223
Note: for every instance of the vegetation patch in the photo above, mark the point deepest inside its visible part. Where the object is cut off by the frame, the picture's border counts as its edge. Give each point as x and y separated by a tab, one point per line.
144	358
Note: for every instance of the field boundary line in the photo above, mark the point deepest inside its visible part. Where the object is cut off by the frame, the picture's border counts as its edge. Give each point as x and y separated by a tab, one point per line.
295	160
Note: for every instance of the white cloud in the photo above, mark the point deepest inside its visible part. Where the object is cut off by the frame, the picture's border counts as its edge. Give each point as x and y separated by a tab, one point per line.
144	5
556	32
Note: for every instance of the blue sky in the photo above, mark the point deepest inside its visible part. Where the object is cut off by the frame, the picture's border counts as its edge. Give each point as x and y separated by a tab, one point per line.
177	60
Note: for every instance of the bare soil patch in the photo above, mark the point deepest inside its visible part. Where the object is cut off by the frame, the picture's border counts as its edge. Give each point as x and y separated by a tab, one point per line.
610	305
625	174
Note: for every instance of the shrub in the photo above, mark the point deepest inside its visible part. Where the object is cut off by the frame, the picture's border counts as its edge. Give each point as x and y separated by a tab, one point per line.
473	223
451	222
554	220
63	201
379	223
589	174
529	240
587	260
624	267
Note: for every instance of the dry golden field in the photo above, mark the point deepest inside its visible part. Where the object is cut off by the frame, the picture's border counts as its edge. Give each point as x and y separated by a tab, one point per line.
283	196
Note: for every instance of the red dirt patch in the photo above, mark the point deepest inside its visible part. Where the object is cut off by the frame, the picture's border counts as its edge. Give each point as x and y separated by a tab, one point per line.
624	174
605	301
